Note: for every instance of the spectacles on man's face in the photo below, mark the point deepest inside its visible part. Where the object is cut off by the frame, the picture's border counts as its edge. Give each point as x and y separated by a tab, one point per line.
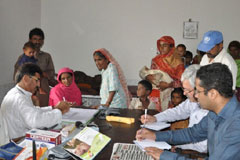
197	91
186	91
35	78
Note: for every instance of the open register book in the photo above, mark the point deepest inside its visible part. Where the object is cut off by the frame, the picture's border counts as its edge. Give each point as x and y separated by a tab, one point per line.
87	143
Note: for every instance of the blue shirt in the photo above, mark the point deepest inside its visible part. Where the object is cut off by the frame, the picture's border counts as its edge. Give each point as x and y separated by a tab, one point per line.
222	132
25	59
111	82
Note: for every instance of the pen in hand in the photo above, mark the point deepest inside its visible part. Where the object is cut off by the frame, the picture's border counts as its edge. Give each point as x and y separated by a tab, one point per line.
145	117
141	130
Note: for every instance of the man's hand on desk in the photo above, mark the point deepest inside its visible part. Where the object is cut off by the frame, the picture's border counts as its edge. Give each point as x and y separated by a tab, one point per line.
145	134
148	119
63	106
154	152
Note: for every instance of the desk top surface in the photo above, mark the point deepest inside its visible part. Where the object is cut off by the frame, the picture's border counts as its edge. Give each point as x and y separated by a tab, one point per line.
119	132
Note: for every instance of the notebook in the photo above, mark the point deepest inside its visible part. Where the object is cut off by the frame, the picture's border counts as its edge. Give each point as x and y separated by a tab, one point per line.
156	126
150	143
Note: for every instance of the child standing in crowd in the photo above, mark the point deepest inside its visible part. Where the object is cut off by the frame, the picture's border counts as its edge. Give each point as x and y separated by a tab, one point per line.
188	59
29	50
177	97
143	91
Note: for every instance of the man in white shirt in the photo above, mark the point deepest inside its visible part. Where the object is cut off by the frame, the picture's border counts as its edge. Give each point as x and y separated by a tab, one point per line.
212	44
18	109
187	109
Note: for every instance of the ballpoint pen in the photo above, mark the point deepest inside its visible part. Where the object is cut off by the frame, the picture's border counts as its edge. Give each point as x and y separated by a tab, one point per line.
145	117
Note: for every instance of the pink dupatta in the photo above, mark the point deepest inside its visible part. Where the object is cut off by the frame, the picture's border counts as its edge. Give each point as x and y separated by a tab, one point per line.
122	78
71	93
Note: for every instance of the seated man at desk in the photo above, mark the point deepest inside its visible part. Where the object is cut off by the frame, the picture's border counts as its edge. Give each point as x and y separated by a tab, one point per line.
187	109
220	127
17	107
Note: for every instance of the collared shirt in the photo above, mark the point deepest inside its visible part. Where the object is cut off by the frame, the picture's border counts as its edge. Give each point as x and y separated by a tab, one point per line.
110	82
224	58
21	115
4	139
186	109
222	132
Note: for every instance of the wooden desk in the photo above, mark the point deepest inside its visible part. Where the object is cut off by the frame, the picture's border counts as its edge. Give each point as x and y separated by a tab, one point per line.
125	133
119	132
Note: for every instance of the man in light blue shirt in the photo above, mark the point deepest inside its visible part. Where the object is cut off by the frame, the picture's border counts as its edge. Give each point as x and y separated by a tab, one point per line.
220	127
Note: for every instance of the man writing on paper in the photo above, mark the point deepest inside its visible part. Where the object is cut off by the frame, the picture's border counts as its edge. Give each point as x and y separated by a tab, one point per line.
17	107
187	109
220	127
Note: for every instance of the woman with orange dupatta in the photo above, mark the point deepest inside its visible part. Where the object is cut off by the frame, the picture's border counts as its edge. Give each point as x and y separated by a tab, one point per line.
113	92
167	61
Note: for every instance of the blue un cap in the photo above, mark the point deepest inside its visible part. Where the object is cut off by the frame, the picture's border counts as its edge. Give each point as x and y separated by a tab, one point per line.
210	39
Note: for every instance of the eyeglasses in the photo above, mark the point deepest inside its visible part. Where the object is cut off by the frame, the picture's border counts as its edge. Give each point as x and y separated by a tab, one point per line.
35	78
197	91
186	90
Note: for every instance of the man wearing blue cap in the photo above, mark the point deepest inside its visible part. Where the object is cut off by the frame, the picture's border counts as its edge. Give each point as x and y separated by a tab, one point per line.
212	44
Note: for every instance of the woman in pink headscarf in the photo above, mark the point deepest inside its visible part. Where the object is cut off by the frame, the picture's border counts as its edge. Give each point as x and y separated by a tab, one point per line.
66	89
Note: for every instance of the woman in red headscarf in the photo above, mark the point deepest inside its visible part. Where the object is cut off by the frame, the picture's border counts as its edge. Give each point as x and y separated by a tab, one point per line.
169	62
66	89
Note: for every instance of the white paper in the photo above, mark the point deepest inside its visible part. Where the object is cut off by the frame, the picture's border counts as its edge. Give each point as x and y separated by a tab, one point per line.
156	126
150	143
79	114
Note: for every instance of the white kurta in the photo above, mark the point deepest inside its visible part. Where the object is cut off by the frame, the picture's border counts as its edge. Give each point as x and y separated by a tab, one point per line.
186	109
21	115
224	58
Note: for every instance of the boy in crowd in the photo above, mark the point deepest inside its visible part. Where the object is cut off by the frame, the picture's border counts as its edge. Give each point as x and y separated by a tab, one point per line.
143	91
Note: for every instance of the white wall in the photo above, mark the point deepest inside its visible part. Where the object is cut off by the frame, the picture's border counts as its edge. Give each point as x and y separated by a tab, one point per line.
17	18
128	29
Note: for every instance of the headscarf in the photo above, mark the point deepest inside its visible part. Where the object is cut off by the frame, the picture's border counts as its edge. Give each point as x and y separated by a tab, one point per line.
159	62
122	78
71	93
167	39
